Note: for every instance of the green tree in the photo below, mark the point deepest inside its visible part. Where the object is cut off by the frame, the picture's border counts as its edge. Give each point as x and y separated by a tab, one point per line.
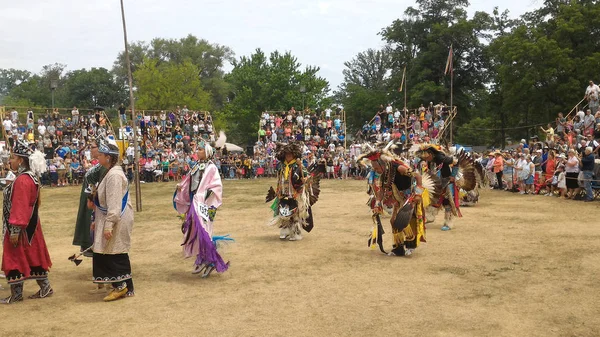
260	84
10	78
167	85
542	65
366	85
94	87
421	41
209	58
35	89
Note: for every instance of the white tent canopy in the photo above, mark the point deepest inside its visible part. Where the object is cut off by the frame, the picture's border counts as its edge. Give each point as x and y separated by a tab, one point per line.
233	148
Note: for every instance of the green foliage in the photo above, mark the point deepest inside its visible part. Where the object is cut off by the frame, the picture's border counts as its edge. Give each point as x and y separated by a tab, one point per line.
421	41
208	58
10	78
261	84
365	86
94	87
168	85
476	132
542	65
36	88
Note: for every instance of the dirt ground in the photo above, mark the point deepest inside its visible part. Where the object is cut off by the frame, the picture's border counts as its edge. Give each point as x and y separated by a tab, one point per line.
513	266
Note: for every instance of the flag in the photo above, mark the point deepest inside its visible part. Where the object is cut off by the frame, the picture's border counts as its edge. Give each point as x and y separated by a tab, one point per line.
403	79
449	63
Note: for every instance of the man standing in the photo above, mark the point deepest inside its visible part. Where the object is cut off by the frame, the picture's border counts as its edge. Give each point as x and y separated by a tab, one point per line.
591	95
588	122
122	113
587	167
499	168
75	115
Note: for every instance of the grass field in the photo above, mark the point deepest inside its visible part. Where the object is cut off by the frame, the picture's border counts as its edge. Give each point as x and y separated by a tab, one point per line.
513	266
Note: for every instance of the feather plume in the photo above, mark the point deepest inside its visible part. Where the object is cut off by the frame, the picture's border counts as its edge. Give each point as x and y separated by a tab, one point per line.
220	142
270	194
467	173
403	217
37	163
433	184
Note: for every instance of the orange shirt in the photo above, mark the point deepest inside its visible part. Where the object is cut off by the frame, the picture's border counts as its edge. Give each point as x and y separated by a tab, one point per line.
550	166
498	164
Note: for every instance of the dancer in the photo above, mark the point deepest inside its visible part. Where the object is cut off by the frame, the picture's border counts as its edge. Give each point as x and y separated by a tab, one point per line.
25	255
449	168
297	190
394	185
93	176
112	227
198	197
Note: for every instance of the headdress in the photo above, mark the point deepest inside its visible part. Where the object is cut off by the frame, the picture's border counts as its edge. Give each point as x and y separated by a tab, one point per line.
37	161
385	151
105	149
22	149
209	148
295	148
432	148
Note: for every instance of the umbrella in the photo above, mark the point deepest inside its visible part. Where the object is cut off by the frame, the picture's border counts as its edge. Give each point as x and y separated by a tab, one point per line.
234	148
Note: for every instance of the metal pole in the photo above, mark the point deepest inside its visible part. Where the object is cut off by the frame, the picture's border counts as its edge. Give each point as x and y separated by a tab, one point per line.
136	170
405	107
53	100
451	99
345	128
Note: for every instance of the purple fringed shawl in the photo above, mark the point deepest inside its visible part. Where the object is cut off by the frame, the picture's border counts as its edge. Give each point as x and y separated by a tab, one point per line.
199	241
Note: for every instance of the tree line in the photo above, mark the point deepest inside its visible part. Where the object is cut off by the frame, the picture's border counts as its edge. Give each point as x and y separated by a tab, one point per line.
509	73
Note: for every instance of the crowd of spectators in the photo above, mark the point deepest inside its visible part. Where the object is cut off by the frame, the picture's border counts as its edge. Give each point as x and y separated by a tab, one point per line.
563	163
324	137
66	138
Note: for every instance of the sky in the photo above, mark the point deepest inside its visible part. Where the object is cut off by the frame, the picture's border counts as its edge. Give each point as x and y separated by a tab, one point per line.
88	33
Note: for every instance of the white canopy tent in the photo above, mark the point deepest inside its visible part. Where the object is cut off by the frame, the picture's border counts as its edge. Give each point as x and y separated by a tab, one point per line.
234	148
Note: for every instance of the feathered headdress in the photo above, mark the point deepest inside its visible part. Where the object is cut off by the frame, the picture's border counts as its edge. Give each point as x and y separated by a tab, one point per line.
432	148
209	148
388	152
37	161
295	148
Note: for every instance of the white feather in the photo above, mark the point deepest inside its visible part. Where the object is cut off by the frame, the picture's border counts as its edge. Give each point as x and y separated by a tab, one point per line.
37	163
220	142
414	148
427	182
389	145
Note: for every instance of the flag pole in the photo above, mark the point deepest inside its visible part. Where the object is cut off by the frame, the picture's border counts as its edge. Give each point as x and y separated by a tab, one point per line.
451	102
403	87
136	169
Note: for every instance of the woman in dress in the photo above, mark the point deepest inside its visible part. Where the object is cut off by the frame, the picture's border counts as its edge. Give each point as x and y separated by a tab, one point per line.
93	176
25	255
198	196
571	174
112	227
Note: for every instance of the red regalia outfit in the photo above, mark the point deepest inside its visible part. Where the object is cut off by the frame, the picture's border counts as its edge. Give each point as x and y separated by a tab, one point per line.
29	259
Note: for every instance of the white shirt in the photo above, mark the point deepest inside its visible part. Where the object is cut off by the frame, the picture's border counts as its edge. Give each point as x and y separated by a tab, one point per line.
327	112
389	109
7	125
592	91
42	129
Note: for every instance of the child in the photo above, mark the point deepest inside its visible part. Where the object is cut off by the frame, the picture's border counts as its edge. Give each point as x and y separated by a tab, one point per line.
562	181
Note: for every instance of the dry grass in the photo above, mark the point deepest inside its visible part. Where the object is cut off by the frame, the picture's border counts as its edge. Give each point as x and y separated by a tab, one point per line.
513	266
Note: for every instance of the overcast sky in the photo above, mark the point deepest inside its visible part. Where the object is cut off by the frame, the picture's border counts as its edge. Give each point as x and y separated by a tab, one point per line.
88	33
